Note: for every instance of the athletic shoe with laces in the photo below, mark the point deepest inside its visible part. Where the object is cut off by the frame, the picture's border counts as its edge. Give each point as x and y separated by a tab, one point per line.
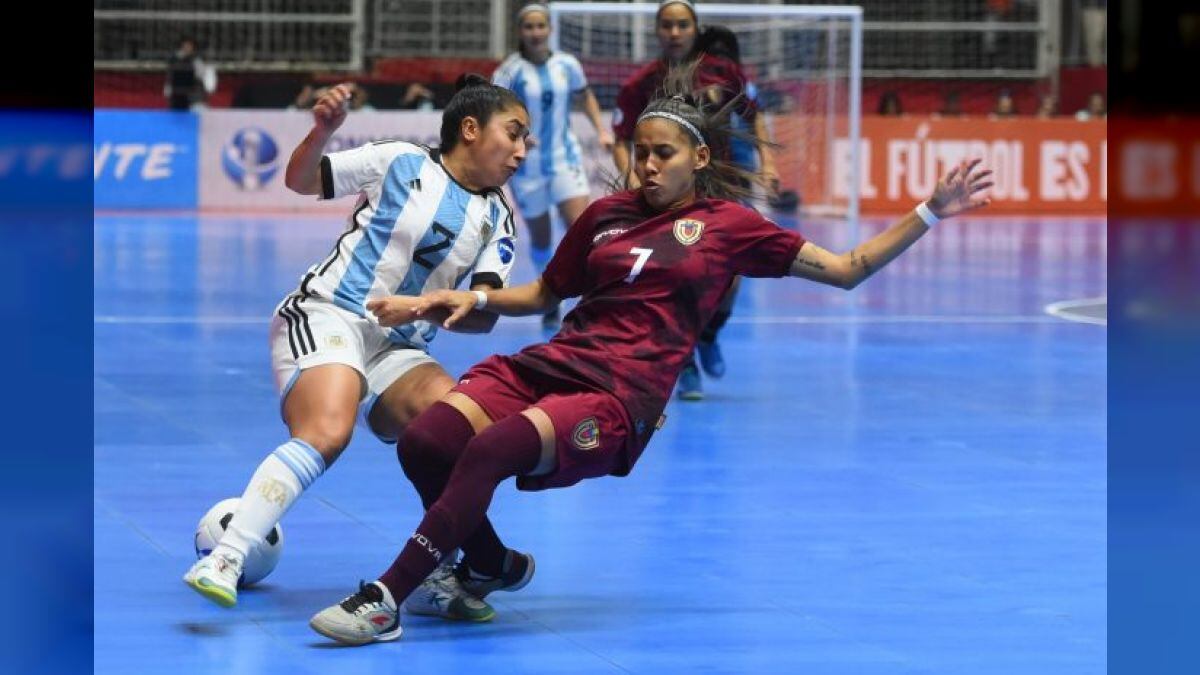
215	576
518	571
690	388
711	359
442	594
370	615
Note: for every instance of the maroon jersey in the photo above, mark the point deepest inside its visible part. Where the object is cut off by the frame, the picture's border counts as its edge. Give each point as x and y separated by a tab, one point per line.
642	87
649	284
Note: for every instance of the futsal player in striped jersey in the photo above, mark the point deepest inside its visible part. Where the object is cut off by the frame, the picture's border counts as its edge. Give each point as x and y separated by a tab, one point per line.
649	267
426	219
552	174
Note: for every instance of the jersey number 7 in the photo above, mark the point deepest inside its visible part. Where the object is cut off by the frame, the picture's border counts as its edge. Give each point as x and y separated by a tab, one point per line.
643	254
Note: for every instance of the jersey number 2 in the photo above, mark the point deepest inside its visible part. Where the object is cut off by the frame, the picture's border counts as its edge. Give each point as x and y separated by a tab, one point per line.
643	254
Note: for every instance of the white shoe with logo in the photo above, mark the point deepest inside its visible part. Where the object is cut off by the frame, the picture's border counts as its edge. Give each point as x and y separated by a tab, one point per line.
370	615
442	595
215	576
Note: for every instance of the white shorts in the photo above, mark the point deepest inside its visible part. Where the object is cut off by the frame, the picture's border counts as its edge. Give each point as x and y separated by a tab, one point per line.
313	332
535	195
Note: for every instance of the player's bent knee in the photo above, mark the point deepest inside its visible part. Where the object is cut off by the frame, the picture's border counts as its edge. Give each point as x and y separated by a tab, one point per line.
327	434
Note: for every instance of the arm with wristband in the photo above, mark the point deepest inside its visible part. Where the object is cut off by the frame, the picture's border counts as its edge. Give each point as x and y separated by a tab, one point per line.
955	194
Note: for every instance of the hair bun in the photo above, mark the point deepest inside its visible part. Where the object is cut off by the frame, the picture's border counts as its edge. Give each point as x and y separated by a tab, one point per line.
470	80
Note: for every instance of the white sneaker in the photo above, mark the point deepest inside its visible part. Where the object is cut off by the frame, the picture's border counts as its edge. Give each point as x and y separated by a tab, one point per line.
370	615
215	576
442	594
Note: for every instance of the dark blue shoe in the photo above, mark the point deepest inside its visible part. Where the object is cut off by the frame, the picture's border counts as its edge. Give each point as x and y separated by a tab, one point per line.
690	388
711	359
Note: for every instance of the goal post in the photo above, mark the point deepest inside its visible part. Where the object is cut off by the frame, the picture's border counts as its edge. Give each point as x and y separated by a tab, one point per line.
805	62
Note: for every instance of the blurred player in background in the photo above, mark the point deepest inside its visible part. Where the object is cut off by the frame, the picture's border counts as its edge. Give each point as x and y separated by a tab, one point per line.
552	174
425	219
678	30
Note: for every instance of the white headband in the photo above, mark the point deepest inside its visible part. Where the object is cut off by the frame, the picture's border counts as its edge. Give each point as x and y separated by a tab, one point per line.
686	3
691	128
533	7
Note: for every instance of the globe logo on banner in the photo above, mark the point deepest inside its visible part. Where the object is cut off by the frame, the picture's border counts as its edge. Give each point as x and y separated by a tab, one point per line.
250	158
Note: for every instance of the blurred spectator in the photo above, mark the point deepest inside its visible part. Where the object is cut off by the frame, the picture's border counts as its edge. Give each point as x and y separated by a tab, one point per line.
1005	107
889	105
1095	31
1095	109
951	105
1048	106
995	11
359	98
305	99
417	97
189	79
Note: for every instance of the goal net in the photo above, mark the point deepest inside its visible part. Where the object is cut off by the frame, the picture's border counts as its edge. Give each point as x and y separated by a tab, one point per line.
805	63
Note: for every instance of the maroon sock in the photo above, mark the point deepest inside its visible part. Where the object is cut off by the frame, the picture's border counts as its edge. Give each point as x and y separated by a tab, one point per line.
430	448
508	448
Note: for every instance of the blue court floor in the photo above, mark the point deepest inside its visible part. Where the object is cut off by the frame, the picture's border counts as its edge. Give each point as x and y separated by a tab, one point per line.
907	478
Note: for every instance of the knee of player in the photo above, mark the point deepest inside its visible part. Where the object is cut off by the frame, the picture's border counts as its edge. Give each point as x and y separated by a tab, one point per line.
418	442
327	436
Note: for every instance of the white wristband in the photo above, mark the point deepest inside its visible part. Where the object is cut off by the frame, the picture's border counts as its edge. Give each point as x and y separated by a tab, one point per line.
926	214
480	299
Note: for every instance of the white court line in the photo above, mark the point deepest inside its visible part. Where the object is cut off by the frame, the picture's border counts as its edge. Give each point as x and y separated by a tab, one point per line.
1063	309
517	321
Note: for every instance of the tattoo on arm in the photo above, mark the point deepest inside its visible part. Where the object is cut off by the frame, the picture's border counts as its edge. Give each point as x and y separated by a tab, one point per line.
860	260
810	263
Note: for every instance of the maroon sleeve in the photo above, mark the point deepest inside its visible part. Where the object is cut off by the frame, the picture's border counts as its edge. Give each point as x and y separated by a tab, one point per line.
757	247
566	274
628	108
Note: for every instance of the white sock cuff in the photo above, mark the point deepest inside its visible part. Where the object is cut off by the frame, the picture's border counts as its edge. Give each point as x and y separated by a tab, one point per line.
302	459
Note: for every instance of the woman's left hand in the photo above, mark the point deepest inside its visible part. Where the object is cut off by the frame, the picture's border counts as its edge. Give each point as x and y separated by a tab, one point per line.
956	193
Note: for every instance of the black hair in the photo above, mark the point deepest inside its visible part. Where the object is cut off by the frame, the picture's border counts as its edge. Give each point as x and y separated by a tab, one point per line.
888	98
721	178
719	41
474	96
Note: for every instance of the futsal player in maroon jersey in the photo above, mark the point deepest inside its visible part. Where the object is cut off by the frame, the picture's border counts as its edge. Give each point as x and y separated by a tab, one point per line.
649	266
683	45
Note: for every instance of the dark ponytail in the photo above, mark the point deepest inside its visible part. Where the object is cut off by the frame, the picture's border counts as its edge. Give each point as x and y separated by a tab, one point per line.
474	96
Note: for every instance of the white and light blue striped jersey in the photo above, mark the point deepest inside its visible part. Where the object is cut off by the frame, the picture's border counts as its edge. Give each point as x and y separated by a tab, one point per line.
415	229
547	90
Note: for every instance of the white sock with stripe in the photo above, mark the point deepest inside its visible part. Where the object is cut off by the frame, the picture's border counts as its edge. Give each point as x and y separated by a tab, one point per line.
279	480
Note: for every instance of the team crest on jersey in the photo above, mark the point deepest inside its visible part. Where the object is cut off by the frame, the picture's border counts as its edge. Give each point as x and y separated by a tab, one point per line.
335	341
485	230
687	230
586	435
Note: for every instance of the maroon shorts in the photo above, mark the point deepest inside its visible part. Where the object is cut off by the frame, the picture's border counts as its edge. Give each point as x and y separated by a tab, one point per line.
592	429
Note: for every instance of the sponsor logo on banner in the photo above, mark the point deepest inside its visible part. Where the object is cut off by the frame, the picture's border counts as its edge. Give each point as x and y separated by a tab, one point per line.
250	158
1055	166
243	154
688	230
144	159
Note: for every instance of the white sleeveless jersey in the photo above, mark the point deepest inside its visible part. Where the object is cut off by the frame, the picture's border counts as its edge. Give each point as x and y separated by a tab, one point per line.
547	90
415	229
